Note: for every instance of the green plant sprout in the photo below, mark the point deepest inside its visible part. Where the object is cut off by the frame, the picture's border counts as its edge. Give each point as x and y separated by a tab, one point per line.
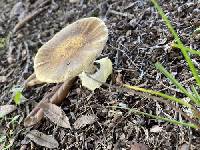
17	95
193	95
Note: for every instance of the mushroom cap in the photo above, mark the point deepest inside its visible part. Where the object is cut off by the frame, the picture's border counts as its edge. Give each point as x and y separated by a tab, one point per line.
71	51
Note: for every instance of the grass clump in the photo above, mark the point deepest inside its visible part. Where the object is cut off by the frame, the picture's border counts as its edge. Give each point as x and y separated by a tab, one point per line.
193	95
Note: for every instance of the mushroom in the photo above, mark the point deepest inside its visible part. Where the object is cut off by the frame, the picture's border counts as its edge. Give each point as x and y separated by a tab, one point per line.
70	52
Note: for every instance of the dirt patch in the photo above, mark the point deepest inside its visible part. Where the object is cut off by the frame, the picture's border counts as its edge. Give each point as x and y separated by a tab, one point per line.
137	39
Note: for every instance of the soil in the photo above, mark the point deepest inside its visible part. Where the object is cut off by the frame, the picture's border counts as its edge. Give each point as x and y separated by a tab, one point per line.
137	39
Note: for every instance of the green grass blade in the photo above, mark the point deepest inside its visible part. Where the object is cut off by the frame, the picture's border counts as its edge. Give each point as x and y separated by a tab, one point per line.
175	82
172	98
183	49
161	118
192	51
197	96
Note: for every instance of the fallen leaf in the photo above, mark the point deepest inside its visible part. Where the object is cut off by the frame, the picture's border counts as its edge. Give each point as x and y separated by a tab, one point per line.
139	146
156	129
101	75
6	109
84	120
42	139
55	114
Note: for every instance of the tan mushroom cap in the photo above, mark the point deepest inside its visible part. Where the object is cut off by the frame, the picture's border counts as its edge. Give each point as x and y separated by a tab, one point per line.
71	51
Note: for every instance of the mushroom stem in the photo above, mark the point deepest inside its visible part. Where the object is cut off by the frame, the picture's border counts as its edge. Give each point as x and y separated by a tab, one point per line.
55	97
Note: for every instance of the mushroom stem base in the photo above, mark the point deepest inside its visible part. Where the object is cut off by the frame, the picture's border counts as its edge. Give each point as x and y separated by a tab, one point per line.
55	97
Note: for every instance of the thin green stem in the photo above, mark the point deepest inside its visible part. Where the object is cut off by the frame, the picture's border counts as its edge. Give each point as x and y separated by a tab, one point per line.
160	118
192	51
176	83
172	98
183	49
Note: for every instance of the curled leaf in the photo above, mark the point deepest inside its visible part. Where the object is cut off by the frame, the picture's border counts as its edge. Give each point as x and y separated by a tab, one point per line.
55	114
42	139
6	109
91	81
84	120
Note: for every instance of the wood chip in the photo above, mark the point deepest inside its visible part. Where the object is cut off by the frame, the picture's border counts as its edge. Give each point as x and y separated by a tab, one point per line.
42	139
3	79
6	109
139	146
74	1
84	120
156	129
55	114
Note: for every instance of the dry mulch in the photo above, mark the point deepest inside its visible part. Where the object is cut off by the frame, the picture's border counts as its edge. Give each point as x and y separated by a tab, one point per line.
137	39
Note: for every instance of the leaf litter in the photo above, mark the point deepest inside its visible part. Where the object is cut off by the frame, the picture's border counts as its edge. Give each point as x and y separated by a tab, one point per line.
55	114
42	139
6	109
126	44
84	120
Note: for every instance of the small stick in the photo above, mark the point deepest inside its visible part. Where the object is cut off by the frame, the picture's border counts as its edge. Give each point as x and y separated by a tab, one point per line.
28	18
59	94
128	15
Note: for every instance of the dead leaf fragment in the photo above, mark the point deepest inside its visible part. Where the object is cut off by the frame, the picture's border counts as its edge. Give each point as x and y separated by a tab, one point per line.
84	120
101	75
55	114
156	129
139	146
42	139
6	109
184	146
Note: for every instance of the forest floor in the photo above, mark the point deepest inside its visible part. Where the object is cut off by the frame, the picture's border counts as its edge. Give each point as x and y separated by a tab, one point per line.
137	39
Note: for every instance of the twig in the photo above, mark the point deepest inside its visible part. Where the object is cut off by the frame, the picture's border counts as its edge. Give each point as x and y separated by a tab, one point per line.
28	18
9	47
128	15
28	61
59	93
39	4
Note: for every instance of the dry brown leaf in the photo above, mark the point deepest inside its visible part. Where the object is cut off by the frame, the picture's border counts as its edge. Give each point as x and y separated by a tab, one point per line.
42	139
6	109
55	114
139	146
84	120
